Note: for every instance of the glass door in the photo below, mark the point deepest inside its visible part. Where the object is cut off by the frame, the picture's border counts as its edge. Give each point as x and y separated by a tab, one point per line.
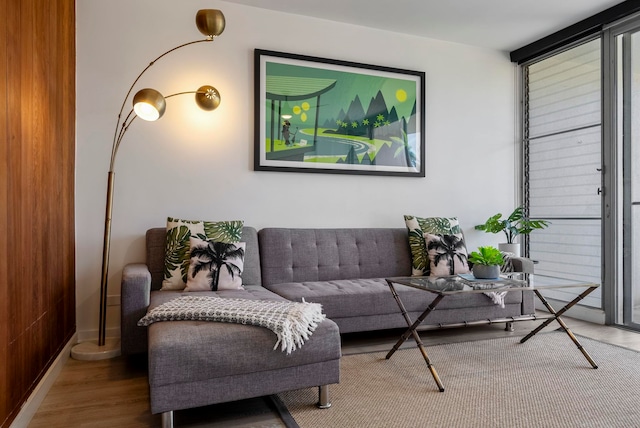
628	112
562	164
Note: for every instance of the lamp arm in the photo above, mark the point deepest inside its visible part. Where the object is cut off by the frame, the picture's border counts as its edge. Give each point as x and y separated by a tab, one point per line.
116	144
185	92
117	137
128	121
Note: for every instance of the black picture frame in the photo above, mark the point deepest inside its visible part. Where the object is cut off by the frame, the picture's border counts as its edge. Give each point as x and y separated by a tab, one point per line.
322	115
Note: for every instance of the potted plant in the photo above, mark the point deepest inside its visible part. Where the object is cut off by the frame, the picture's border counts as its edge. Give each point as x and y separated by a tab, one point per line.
486	262
514	225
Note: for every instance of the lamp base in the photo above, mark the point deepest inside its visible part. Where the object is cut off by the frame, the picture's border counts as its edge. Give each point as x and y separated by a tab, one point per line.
90	351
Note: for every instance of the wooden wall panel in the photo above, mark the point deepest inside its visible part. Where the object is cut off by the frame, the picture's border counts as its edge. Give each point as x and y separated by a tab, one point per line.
37	237
4	186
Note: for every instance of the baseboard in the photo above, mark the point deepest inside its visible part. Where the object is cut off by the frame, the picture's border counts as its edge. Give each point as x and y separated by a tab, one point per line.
113	302
30	407
85	335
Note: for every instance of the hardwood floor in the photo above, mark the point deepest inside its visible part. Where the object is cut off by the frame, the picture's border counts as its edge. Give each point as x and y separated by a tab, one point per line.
114	393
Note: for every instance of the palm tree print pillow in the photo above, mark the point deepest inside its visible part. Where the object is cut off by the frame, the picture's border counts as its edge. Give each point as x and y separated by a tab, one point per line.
417	227
215	265
177	249
447	255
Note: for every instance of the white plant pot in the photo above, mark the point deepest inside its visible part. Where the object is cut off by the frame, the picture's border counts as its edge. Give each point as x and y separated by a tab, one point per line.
510	248
486	272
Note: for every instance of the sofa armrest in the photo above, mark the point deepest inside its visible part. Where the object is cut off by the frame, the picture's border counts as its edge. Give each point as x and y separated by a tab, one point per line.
134	301
522	264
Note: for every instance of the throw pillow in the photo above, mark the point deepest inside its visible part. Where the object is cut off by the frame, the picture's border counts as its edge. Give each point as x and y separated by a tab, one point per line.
176	255
417	227
507	265
215	265
447	254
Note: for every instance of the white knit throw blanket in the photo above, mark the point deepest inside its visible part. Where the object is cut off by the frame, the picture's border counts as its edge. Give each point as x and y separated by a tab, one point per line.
497	297
292	322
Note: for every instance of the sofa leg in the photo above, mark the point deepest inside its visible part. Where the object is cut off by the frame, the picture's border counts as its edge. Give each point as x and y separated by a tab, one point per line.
167	419
323	397
509	326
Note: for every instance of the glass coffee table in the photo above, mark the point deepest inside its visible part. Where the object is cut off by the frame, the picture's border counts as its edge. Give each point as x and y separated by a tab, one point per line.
450	285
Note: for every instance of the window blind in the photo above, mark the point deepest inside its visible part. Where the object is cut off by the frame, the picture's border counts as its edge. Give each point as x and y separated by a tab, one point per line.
562	161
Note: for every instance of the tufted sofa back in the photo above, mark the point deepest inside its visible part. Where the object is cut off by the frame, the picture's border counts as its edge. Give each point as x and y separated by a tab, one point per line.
295	255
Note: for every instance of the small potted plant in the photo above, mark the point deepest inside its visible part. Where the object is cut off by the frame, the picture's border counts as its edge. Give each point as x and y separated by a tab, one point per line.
514	225
486	262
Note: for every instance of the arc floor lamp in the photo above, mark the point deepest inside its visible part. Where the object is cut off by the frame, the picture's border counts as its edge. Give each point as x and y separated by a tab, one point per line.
148	104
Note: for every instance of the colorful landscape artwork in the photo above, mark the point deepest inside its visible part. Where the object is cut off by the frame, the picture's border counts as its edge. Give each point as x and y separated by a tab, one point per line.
322	115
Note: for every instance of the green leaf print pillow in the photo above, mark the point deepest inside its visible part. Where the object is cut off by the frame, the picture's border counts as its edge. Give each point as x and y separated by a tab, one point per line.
177	251
417	227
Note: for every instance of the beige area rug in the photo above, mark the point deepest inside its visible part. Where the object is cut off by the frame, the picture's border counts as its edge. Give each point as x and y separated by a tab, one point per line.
545	382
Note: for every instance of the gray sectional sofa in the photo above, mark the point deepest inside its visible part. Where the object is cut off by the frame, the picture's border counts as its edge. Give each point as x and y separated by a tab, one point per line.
196	363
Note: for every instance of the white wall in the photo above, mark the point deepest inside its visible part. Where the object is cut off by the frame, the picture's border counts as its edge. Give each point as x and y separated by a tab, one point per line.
198	165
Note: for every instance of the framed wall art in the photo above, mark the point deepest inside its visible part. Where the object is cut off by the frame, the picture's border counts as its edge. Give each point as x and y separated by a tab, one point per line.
329	116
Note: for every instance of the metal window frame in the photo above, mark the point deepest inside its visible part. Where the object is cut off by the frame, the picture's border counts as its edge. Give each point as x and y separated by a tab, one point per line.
617	216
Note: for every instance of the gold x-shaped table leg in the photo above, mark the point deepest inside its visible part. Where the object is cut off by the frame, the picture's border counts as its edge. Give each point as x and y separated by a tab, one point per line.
412	332
556	317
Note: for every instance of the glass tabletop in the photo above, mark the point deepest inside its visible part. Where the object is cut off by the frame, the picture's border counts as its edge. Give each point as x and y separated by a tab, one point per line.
507	282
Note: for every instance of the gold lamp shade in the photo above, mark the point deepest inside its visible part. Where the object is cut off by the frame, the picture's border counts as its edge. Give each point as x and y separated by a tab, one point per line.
149	104
210	22
207	98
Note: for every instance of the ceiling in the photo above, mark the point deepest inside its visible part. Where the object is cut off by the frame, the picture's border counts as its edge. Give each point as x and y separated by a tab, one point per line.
504	25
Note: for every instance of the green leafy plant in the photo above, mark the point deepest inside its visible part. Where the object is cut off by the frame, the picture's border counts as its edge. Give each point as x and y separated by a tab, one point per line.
514	225
487	256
